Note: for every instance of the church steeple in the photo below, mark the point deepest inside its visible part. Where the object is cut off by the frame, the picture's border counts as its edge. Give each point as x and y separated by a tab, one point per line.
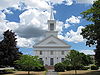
51	15
52	22
51	26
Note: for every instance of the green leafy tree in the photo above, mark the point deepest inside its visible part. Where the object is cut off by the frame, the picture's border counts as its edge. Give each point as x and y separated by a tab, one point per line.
74	59
86	59
8	50
92	31
28	62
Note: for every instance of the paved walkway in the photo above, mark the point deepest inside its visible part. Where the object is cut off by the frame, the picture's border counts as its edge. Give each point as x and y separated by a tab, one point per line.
51	72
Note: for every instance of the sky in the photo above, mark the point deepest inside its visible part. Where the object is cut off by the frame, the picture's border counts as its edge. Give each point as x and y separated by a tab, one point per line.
28	19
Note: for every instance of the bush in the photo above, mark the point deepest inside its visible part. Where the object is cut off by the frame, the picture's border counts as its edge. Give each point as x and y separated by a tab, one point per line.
6	71
21	68
9	70
59	67
94	67
78	67
85	68
69	68
18	67
73	68
39	68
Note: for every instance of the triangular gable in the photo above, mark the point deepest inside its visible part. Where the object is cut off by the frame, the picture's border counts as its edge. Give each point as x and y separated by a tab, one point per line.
51	40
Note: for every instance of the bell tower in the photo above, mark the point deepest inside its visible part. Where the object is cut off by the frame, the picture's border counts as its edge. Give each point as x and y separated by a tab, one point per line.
52	22
51	26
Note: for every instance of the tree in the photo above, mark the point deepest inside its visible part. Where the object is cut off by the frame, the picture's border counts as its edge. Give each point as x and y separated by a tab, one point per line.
86	59
76	59
27	61
8	50
92	31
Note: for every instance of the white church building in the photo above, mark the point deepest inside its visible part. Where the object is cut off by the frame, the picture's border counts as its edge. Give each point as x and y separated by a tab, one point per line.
51	49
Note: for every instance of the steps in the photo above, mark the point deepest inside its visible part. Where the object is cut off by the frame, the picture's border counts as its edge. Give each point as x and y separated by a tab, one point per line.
49	67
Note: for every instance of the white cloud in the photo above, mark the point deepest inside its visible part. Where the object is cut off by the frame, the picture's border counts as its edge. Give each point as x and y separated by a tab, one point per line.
73	19
2	16
41	4
23	42
87	52
31	28
75	37
60	36
72	36
85	1
67	25
59	25
8	3
33	22
8	11
69	2
2	24
34	18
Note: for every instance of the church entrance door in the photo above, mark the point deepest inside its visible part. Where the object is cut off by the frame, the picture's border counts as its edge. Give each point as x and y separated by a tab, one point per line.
51	61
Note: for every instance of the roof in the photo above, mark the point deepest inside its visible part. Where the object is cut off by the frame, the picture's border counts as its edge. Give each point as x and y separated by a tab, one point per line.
51	41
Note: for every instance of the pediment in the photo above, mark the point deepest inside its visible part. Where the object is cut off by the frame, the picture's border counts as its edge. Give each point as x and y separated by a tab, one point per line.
51	41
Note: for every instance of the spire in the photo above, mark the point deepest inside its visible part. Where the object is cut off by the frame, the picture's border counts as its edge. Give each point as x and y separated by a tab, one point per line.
52	15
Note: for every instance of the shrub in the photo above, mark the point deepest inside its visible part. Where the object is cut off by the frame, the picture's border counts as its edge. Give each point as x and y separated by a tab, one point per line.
78	67
59	67
6	71
39	68
85	68
18	67
9	70
94	67
21	68
69	68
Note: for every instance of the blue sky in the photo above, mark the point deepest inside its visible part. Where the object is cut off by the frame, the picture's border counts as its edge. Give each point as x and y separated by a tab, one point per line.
28	19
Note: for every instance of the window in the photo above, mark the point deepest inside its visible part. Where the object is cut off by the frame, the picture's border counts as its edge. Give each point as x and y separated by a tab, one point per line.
62	59
40	59
51	61
40	52
51	52
51	26
62	52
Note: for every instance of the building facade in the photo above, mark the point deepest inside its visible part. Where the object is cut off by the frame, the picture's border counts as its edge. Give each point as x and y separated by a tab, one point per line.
51	49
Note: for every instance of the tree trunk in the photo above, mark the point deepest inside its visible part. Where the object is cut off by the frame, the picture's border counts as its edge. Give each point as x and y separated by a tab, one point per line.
28	72
75	72
97	53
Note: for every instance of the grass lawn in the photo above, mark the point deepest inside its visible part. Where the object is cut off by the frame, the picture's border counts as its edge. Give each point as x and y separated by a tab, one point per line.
81	72
26	73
